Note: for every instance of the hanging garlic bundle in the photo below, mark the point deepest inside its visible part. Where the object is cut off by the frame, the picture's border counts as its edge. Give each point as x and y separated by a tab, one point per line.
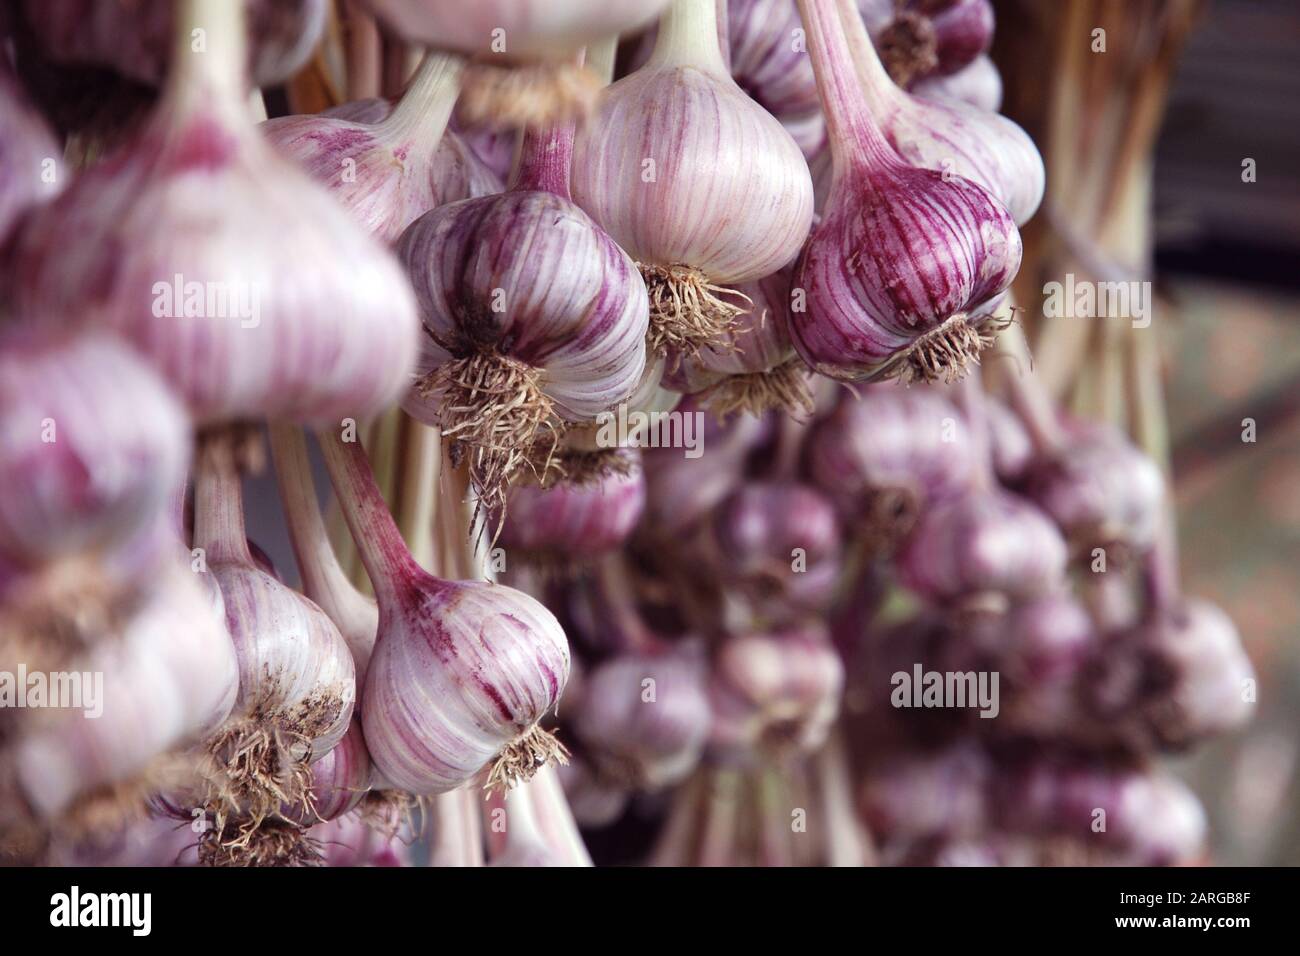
462	672
899	269
534	318
242	281
522	73
169	677
383	174
752	367
296	689
702	186
134	37
31	163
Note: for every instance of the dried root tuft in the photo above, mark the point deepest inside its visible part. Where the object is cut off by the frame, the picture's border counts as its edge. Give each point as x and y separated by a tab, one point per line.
908	47
888	517
272	843
785	388
256	769
508	97
944	353
590	467
492	408
524	757
390	812
687	312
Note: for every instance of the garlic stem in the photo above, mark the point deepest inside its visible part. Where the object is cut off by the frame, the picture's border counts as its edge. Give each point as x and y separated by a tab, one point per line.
208	65
556	819
619	607
1163	587
880	89
545	159
323	578
854	134
421	115
601	57
971	392
1026	392
388	562
219	507
688	36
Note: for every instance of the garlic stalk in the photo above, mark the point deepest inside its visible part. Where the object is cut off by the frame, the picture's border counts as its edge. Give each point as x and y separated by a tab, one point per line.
702	186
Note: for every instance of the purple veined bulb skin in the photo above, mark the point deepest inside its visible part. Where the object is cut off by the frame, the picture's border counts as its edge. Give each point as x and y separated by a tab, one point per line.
242	281
986	544
1049	643
711	204
31	162
339	779
1101	489
574	305
978	84
762	529
464	670
1011	445
134	37
766	61
531	28
577	520
93	445
920	39
172	676
885	455
644	717
778	692
937	794
458	171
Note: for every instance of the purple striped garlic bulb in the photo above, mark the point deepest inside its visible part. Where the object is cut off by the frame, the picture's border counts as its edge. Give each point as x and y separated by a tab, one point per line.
385	174
534	318
297	680
170	677
949	136
983	548
643	718
779	544
775	692
135	37
702	186
896	276
766	60
887	455
242	281
31	162
462	672
93	447
919	39
979	85
752	367
340	780
944	793
576	519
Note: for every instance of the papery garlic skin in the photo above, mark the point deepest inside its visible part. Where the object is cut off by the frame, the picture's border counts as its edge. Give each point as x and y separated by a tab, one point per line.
730	193
340	779
92	445
240	280
979	84
134	37
31	162
461	672
569	520
526	28
571	303
172	676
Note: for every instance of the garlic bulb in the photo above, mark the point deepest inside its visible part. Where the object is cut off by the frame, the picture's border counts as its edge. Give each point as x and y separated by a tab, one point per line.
979	84
702	186
31	162
949	136
885	455
986	546
297	681
777	692
939	794
171	677
568	520
339	780
383	174
462	671
534	317
752	367
925	38
240	280
898	275
92	446
644	717
134	37
766	60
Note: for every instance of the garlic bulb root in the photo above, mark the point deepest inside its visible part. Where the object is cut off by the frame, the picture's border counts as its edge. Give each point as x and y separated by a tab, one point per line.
257	767
274	843
784	388
908	47
525	756
494	407
541	94
945	352
687	311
